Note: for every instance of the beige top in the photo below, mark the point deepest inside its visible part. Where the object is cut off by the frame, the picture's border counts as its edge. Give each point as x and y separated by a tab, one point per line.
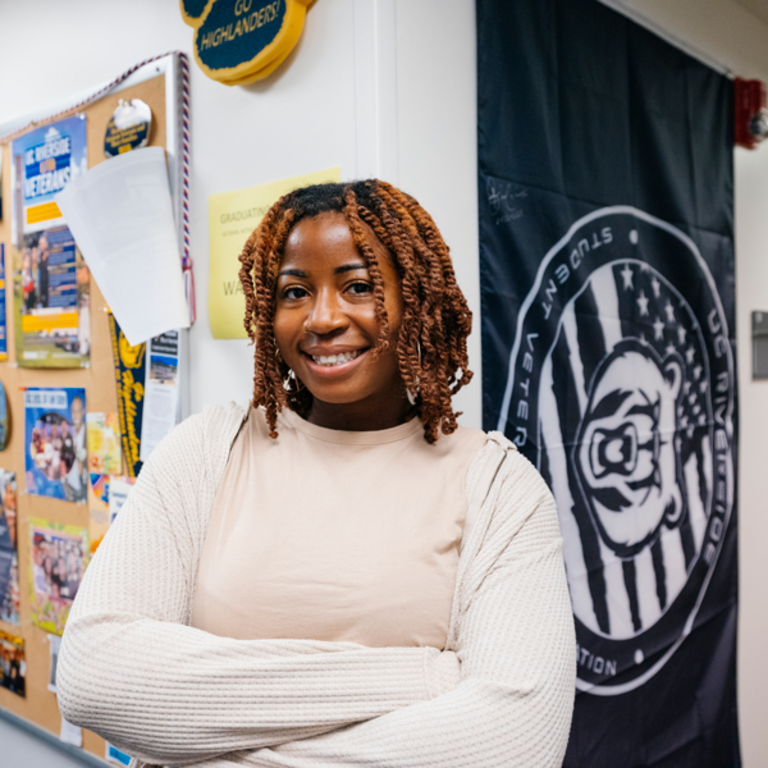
324	534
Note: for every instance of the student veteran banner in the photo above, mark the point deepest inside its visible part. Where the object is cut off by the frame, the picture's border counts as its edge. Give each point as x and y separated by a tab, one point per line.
607	278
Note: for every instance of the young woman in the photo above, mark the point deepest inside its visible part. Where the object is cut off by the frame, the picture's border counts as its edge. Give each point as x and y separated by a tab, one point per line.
337	575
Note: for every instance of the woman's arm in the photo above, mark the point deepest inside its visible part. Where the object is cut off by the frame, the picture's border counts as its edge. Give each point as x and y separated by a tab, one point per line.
518	660
132	671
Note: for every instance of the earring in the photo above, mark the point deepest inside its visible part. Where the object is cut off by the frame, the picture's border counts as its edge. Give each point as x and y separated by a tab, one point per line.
297	385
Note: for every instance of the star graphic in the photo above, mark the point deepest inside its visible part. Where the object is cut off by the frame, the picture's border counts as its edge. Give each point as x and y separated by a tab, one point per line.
702	420
642	303
696	409
670	349
683	422
703	386
627	274
689	431
681	334
689	353
658	328
656	285
670	310
697	372
686	387
645	267
692	398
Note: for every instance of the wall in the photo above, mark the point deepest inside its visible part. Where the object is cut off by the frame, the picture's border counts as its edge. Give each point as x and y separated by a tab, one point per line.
388	87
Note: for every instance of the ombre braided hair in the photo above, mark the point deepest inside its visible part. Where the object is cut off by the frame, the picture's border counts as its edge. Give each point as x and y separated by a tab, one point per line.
432	340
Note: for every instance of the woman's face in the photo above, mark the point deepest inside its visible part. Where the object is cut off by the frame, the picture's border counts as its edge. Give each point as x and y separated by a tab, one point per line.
326	326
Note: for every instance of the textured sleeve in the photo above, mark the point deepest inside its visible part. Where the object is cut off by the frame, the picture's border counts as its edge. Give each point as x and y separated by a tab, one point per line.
516	645
133	671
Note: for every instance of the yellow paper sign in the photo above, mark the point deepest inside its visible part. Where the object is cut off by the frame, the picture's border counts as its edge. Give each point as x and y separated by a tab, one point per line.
232	216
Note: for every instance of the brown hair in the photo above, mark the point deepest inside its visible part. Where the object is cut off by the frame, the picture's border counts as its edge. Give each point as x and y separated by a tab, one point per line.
432	341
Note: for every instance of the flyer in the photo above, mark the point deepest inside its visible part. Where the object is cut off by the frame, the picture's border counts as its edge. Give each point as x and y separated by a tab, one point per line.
98	509
119	488
51	281
57	562
13	665
3	322
9	553
232	216
103	430
56	455
162	404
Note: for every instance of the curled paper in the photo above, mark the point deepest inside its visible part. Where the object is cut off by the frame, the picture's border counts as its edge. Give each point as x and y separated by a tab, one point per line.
121	216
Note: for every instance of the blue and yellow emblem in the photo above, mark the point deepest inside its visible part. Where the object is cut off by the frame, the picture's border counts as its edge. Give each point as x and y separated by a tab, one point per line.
239	41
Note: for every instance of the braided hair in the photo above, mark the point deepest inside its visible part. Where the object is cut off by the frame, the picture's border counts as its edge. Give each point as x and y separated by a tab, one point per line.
432	340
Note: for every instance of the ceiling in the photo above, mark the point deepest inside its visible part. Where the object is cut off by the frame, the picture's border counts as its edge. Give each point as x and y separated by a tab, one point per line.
758	7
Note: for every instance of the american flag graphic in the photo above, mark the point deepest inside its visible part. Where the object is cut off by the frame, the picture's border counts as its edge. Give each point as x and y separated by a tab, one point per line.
620	390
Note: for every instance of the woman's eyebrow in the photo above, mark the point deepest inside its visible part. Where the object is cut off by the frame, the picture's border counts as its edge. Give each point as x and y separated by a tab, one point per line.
293	272
350	267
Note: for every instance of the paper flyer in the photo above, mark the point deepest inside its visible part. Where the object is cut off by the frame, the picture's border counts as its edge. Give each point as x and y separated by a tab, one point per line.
232	216
3	320
114	755
119	488
9	553
54	645
51	282
59	554
98	509
56	454
130	372
103	430
13	665
162	404
43	162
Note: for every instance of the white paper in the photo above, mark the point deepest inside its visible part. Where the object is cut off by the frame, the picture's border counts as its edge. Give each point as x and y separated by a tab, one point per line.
71	734
118	493
162	404
121	215
55	644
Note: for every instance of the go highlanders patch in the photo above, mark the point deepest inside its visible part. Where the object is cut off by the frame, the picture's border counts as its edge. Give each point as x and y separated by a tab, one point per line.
240	41
623	375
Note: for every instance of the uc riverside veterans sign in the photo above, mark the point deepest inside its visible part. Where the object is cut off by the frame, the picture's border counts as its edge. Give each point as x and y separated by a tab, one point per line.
246	40
606	238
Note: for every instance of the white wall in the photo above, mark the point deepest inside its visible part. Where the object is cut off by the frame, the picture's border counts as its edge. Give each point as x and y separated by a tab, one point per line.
388	87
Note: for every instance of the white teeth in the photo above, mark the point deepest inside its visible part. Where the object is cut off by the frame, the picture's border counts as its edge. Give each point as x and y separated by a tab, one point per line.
344	357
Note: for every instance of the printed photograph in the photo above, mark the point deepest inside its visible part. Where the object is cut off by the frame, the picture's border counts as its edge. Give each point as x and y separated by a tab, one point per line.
13	665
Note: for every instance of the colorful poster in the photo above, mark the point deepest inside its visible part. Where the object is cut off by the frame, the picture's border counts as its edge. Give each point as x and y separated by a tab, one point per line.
58	559
130	371
51	281
9	543
13	665
3	321
98	509
51	301
104	455
55	439
232	216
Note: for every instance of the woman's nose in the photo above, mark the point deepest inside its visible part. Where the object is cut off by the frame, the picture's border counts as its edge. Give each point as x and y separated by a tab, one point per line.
325	315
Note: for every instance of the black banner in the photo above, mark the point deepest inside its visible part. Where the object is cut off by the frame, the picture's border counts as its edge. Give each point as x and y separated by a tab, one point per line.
607	280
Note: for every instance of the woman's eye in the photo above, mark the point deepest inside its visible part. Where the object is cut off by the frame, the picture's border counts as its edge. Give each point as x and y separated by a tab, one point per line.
360	288
294	292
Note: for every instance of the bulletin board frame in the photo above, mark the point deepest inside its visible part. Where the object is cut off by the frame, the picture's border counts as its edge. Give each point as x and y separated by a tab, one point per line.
162	84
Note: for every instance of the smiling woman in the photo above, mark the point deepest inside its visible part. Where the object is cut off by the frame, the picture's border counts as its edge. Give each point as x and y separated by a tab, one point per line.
338	574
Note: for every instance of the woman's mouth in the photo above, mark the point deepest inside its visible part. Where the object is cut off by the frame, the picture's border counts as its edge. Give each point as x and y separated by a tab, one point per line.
329	361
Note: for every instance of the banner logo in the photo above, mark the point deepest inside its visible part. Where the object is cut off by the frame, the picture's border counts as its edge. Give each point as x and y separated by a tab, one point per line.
621	387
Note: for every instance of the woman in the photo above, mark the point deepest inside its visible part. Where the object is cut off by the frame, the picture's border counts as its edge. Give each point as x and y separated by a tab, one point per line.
338	575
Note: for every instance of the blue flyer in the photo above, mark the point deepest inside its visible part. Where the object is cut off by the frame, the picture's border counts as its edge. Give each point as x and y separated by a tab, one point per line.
43	162
56	454
3	334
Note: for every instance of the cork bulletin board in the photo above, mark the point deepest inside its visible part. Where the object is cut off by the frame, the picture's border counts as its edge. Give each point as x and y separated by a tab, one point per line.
156	84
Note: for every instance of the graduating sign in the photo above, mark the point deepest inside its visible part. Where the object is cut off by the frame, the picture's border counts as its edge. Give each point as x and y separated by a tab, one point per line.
606	239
